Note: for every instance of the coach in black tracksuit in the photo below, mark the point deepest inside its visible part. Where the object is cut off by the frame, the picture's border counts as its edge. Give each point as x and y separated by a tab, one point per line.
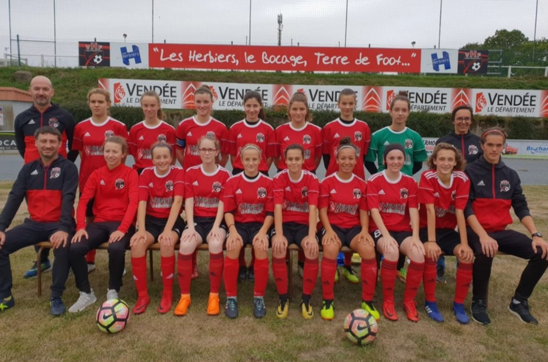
494	188
49	186
462	138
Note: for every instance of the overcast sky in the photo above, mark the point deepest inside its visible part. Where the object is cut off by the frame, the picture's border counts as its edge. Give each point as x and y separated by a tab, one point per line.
379	23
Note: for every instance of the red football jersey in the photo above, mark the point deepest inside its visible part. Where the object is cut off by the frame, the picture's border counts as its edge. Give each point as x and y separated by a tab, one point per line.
261	133
249	200
359	133
88	140
116	194
310	137
205	188
296	196
343	199
393	200
189	132
142	137
159	191
446	199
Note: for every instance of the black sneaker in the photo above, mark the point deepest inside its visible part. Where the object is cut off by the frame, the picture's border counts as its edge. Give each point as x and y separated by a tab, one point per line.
231	308
242	273
251	273
522	311
259	309
479	312
57	306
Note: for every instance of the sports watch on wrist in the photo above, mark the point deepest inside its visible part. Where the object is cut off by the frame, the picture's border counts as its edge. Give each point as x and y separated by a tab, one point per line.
537	234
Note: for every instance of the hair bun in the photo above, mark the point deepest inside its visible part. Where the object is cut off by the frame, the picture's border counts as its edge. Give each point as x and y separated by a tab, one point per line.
345	141
403	93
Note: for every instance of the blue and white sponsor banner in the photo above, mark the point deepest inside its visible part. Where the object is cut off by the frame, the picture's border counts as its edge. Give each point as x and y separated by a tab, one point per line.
439	61
129	55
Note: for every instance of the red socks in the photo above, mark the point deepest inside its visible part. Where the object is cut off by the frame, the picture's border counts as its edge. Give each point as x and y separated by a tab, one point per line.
464	277
90	256
261	277
348	259
280	274
369	278
139	266
329	268
429	280
167	264
388	277
310	275
184	272
215	271
300	255
230	274
414	277
194	259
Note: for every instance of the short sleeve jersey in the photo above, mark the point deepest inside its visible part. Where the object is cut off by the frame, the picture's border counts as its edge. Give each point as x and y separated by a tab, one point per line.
205	188
409	139
393	199
142	137
309	137
249	200
260	133
159	191
189	132
343	199
88	140
360	135
296	196
446	199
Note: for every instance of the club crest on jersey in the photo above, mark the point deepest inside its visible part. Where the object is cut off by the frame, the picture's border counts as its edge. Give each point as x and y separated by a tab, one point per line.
358	136
472	150
307	139
304	192
216	186
109	134
357	194
169	185
504	186
404	193
453	195
162	138
55	172
408	144
53	122
260	137
261	192
119	184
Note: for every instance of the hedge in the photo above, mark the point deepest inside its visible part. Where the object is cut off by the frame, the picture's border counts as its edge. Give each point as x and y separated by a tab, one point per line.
426	124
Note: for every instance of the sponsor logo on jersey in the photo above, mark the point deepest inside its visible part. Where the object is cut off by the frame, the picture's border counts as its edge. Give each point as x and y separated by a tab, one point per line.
189	134
32	121
481	183
288	188
102	183
338	208
53	122
240	135
238	191
336	135
119	184
404	193
93	150
261	192
161	202
260	137
151	185
436	194
169	185
87	134
286	138
386	143
381	192
307	139
195	183
144	154
141	138
504	186
34	173
333	191
55	172
216	186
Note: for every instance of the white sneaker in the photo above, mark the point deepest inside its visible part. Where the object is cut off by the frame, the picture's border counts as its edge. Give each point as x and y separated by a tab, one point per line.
84	301
125	272
91	267
112	294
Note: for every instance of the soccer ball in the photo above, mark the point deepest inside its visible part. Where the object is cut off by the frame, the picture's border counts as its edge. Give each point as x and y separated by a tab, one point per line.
113	316
360	327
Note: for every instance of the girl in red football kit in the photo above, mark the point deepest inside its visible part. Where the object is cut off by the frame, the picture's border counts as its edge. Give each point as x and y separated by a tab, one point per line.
360	135
146	133
392	199
251	130
204	215
191	130
443	195
295	215
115	188
343	214
249	208
161	191
89	136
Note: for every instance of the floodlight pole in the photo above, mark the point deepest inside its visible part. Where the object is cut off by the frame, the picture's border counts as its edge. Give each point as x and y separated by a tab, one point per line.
346	24
249	36
535	35
54	36
439	28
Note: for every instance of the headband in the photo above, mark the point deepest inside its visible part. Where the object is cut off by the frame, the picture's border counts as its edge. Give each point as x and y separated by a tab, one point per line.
493	131
392	147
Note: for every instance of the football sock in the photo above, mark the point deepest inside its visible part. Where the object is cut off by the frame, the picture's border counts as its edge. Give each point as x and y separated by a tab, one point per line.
310	275
464	278
369	278
261	277
388	277
348	260
329	268
414	277
167	264
139	266
429	280
215	271
280	274
230	276
184	272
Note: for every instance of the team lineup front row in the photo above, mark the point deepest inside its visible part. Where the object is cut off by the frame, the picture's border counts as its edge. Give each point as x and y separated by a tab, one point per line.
388	215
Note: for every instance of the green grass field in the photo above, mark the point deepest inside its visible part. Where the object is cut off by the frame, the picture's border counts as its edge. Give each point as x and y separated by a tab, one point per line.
30	333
